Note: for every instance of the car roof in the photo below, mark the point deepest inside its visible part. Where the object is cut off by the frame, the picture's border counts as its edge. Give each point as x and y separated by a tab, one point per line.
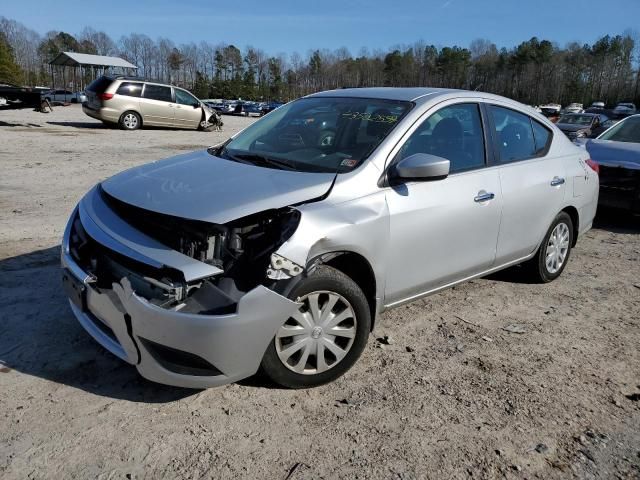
388	93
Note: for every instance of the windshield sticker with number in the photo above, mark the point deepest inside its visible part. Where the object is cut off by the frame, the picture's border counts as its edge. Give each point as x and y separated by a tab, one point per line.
370	117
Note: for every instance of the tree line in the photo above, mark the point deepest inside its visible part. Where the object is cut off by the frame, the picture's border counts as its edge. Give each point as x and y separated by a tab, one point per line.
535	71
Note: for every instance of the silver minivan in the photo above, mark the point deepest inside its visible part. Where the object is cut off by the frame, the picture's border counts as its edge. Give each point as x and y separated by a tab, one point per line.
280	248
132	103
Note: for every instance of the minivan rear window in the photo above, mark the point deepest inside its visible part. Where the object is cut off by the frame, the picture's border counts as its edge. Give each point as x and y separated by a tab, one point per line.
100	84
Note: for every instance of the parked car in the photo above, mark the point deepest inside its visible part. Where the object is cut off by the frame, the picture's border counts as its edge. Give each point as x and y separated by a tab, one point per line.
269	107
582	125
247	110
278	249
64	96
597	105
550	109
624	109
132	103
574	108
617	151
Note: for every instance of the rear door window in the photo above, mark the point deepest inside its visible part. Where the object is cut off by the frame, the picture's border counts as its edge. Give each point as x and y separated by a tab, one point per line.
130	89
514	134
157	92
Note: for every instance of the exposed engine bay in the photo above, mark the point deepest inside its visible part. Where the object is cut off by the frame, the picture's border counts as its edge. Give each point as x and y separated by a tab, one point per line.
243	249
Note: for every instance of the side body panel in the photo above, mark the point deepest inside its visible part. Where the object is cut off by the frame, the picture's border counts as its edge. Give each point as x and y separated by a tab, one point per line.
439	233
157	112
531	203
187	117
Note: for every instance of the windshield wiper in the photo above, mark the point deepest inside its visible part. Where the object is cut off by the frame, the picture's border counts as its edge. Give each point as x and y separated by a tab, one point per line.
257	159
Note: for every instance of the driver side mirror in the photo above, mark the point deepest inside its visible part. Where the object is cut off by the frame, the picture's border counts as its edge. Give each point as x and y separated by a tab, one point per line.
421	166
196	105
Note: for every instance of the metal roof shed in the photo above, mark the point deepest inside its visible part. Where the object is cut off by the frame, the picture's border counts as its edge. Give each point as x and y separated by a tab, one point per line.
89	65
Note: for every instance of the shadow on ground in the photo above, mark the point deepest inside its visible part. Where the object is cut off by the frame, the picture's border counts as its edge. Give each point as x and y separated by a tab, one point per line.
41	337
99	125
11	124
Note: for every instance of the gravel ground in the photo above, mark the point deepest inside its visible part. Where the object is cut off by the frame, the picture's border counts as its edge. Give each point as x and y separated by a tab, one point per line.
452	395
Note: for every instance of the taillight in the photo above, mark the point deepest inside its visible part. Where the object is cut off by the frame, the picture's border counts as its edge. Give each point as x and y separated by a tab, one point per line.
105	96
594	165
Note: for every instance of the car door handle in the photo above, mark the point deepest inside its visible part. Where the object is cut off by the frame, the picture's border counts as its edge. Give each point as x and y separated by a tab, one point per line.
484	196
557	181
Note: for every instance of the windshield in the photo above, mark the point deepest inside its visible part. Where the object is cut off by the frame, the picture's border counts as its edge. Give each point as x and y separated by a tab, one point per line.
317	134
625	131
576	119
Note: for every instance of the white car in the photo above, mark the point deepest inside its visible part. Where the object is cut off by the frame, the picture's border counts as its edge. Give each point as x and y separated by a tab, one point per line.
574	108
64	96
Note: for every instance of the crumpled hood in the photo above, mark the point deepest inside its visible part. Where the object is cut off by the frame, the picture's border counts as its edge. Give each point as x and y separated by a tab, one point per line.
607	152
200	186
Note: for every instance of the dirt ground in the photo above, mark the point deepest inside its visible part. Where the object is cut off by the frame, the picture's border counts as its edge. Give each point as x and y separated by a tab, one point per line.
453	394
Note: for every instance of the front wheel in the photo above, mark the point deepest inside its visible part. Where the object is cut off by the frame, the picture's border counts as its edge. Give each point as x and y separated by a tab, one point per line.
554	251
324	337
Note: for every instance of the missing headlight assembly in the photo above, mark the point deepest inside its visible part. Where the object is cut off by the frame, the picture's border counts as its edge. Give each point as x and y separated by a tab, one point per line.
242	249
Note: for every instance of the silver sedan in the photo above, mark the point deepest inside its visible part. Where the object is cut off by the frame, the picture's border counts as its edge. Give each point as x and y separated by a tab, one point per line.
282	246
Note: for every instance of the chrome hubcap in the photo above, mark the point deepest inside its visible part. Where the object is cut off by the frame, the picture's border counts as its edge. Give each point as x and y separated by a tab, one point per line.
557	248
318	335
130	120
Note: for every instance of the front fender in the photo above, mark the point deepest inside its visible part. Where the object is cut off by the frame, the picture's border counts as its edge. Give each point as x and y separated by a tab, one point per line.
360	226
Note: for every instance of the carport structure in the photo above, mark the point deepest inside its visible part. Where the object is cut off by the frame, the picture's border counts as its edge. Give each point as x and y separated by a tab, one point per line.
85	68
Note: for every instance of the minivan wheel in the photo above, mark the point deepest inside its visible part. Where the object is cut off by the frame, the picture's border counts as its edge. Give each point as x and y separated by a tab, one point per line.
130	121
554	251
324	337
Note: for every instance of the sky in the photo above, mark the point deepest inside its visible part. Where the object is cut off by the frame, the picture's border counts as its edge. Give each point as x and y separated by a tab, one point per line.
284	26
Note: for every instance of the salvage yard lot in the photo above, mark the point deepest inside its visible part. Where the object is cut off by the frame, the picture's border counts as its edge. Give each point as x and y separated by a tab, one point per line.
494	378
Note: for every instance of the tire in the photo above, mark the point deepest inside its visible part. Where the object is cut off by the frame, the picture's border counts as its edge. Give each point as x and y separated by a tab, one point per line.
324	284
558	238
130	121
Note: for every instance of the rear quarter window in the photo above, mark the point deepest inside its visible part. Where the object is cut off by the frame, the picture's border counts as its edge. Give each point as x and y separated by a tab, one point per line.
541	136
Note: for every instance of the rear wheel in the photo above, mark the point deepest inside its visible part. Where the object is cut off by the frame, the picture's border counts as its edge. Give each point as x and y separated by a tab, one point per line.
554	251
324	337
130	121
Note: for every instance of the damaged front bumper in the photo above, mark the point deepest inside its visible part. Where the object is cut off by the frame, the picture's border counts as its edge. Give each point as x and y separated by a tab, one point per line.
168	346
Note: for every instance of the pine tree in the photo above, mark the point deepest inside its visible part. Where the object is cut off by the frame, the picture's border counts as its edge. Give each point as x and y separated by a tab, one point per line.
10	72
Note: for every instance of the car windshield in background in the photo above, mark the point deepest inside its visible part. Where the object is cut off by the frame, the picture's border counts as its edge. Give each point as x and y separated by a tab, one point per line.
626	131
576	119
317	134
